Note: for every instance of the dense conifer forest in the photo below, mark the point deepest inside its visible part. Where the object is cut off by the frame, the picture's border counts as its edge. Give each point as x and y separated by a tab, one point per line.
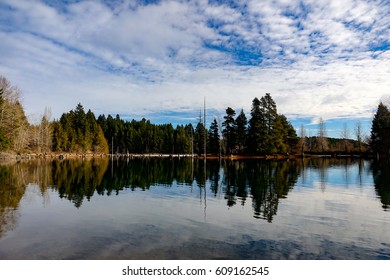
263	131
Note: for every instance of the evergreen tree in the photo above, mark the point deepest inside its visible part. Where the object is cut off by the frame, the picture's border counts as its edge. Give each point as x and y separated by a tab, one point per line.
256	131
272	128
199	138
287	138
68	137
57	136
214	139
78	131
102	121
241	132
79	124
380	130
182	140
190	132
99	142
229	131
168	146
111	133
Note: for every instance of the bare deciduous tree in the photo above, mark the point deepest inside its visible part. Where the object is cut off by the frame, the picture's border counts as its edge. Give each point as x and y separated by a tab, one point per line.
302	142
14	126
345	136
322	140
359	135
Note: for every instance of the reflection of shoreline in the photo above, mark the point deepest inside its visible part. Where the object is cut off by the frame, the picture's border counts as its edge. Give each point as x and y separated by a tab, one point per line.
381	175
259	183
13	156
13	183
240	199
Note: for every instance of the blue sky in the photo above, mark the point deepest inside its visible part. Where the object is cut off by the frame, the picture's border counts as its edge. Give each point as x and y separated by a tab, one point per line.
159	59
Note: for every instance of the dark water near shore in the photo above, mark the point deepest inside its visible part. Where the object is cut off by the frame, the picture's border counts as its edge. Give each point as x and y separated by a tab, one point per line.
157	208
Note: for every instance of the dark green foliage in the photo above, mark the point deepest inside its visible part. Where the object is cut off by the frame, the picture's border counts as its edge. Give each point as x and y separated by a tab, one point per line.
268	131
257	129
4	141
182	141
229	131
242	132
78	131
381	174
144	137
199	138
272	135
287	138
380	131
214	139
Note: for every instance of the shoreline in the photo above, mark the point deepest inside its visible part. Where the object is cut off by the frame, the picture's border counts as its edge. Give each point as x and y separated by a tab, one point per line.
4	156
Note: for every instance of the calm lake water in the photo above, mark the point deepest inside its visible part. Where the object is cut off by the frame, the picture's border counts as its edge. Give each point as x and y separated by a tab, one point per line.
183	209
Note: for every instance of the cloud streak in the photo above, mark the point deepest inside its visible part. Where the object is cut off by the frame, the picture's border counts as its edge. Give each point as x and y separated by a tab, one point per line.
317	58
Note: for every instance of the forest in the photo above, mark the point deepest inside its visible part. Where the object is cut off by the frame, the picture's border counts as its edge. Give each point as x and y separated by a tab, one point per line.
263	131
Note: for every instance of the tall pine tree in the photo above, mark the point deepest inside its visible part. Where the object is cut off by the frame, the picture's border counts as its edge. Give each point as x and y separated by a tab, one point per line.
241	132
214	139
256	131
380	131
229	131
270	122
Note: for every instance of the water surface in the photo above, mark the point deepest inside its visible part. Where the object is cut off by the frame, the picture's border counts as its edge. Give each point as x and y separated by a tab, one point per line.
163	208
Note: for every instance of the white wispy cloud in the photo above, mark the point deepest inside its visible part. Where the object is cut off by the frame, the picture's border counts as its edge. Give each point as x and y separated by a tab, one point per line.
324	58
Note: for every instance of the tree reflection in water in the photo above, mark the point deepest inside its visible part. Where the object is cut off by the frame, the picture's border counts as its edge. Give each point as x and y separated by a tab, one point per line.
381	174
261	182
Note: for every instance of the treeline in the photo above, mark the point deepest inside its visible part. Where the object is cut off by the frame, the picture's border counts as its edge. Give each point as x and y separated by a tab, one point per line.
262	131
265	132
145	137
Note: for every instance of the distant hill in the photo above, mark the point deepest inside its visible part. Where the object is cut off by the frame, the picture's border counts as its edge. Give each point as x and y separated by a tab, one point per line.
334	145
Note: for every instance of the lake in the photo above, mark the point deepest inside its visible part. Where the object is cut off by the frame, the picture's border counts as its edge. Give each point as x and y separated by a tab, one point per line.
183	208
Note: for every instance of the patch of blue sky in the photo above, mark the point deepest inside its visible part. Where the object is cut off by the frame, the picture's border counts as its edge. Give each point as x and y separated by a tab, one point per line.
60	5
7	22
182	116
57	3
359	26
237	5
299	14
5	7
241	53
316	39
334	127
216	24
145	2
383	45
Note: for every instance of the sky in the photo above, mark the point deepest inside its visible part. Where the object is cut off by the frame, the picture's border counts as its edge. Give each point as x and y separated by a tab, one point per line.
326	59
